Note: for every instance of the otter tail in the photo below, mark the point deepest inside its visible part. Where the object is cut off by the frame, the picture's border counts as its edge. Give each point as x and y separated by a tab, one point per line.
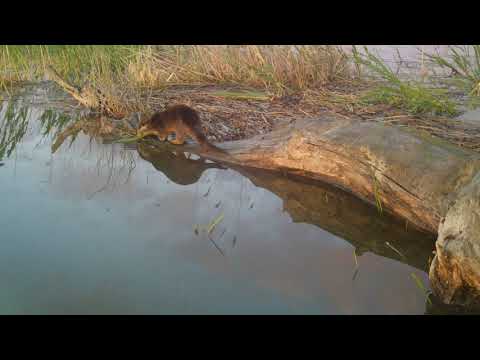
207	147
199	137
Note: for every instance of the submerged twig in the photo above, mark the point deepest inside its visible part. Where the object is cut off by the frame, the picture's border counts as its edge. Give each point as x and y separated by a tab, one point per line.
394	249
208	192
216	246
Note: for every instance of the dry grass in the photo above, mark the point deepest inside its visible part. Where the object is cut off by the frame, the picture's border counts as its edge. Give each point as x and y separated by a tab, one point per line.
147	74
275	69
239	91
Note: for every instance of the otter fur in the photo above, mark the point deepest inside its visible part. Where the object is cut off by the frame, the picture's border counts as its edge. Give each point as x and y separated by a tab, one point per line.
179	119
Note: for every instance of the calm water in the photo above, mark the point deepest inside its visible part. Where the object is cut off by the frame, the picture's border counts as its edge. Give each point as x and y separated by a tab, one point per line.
102	229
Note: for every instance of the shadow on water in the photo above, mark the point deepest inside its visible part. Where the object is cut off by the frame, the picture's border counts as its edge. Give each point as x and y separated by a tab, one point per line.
306	201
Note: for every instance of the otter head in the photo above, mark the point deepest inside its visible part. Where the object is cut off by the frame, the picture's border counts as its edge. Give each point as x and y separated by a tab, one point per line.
142	130
145	127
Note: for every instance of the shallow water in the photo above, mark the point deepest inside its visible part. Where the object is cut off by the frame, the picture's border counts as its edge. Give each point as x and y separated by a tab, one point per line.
103	229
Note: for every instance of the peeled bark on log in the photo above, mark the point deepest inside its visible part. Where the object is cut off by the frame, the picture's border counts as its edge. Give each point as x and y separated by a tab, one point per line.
455	270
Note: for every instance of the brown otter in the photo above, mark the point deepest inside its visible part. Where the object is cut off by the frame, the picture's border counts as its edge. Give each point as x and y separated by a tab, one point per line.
179	119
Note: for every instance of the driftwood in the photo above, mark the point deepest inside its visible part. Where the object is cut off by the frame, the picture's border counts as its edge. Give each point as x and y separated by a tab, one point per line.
89	96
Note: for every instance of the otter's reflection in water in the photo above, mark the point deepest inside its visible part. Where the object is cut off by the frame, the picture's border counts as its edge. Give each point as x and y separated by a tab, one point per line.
180	168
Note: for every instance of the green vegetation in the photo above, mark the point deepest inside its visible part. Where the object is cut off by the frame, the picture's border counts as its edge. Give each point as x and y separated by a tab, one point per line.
242	95
465	68
412	96
422	287
51	119
214	223
76	63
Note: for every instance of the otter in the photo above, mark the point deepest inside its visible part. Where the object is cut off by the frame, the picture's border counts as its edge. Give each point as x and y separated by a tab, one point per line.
179	119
